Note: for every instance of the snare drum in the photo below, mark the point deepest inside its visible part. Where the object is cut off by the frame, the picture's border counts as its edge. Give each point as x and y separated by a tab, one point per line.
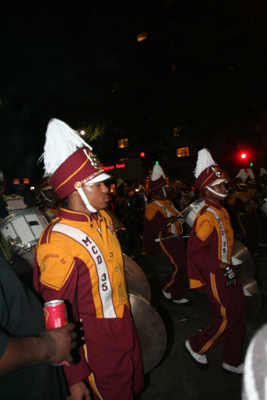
191	211
263	206
20	232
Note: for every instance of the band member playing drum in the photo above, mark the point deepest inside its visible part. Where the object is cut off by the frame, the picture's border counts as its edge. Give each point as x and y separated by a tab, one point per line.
210	265
162	234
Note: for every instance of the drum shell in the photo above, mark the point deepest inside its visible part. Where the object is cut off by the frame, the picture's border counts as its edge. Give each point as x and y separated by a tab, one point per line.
20	232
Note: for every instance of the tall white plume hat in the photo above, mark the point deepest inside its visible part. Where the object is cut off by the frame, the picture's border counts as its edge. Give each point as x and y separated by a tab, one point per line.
69	161
242	175
158	178
262	172
207	172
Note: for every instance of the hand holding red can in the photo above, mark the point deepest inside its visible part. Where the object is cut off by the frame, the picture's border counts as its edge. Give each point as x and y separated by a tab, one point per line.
55	316
58	344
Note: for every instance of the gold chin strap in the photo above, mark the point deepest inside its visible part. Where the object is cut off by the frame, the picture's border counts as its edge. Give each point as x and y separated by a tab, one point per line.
223	196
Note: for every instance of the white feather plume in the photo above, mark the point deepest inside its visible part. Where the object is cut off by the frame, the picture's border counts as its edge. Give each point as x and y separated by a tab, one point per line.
157	172
61	142
204	160
242	175
250	174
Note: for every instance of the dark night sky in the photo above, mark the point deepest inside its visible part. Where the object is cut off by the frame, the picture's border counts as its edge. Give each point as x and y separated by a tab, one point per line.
46	71
51	67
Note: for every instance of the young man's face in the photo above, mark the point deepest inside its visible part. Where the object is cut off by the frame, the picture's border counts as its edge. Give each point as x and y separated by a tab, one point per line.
97	194
219	192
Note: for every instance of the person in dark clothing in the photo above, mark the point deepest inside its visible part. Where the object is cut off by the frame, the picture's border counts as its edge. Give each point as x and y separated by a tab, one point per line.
27	350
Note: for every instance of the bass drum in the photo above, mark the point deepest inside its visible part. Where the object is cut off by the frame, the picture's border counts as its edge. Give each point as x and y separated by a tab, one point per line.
20	232
246	270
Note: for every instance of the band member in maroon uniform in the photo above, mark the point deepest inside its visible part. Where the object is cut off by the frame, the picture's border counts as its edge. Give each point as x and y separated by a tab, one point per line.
210	264
162	234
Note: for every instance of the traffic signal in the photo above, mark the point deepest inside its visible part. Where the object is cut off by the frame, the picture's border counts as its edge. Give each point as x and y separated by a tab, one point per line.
142	154
246	158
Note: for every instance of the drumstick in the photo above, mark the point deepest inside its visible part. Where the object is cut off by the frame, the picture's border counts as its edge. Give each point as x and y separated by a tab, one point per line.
169	237
177	216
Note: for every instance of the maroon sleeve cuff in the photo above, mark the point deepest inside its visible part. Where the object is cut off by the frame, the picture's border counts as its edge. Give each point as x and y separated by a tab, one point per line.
77	372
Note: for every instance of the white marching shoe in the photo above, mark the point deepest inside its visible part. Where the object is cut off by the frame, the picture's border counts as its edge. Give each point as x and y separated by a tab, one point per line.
229	369
199	359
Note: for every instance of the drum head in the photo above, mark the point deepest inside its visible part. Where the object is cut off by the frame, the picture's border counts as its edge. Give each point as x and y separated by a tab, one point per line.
191	211
136	279
151	331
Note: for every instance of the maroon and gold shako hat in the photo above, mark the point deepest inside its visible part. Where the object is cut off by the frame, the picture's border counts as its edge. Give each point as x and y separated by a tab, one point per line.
158	179
80	168
69	160
207	172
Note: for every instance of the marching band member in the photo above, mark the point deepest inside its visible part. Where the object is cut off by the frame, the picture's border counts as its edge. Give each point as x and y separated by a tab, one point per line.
162	234
210	248
79	259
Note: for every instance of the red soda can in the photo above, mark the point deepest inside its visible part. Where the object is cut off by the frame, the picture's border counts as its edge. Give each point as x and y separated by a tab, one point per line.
55	316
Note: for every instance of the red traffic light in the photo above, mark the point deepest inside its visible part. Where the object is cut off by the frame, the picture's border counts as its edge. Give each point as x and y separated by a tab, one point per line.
142	154
243	155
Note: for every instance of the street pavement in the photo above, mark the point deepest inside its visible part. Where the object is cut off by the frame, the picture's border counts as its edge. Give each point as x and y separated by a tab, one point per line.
176	376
